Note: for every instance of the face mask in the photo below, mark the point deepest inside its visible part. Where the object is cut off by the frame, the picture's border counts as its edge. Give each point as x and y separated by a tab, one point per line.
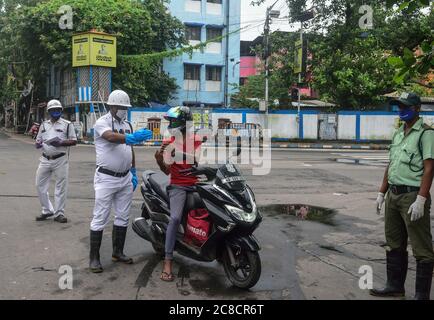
122	114
55	114
174	131
407	114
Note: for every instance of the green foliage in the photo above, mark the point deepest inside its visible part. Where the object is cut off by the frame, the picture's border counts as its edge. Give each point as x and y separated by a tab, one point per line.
409	63
281	75
141	27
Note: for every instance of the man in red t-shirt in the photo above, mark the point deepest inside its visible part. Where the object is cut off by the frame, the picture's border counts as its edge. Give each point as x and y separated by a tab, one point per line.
176	154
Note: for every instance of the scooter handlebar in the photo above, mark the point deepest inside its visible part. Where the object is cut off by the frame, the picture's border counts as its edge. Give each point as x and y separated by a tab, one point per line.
210	173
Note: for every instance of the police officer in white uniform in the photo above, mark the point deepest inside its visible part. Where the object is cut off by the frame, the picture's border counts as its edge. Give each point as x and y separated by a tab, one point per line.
115	177
55	136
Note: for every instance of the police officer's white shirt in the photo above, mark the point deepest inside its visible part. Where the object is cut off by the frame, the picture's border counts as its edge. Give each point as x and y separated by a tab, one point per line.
116	157
63	129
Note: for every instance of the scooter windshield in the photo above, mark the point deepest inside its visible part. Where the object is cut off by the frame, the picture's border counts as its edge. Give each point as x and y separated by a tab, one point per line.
230	178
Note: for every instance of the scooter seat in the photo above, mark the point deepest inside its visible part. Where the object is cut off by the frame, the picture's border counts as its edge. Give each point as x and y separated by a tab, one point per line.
159	182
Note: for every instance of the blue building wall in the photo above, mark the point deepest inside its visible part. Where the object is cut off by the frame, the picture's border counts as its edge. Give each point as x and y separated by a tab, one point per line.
175	66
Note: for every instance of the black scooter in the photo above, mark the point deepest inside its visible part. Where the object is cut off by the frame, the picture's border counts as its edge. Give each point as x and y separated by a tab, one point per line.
234	216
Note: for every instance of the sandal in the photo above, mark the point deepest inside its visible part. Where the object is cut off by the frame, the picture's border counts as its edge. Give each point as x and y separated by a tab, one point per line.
168	277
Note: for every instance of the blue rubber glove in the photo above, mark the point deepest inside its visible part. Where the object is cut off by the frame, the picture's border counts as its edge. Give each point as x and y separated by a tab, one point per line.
134	180
138	137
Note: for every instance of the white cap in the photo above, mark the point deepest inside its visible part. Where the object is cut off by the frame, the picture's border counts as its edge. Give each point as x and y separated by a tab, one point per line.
54	104
119	98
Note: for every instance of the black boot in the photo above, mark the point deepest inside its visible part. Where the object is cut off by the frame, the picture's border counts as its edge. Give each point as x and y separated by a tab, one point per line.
397	264
95	244
118	237
423	280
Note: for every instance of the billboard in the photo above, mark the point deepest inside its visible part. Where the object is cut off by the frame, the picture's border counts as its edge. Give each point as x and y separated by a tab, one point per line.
298	57
97	49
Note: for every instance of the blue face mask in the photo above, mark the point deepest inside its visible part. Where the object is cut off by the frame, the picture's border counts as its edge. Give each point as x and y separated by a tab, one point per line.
407	114
56	114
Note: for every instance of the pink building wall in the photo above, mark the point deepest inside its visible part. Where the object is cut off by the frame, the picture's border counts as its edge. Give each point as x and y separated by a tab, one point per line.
248	66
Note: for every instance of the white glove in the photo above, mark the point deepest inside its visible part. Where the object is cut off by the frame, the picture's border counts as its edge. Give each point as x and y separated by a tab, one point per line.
379	202
417	208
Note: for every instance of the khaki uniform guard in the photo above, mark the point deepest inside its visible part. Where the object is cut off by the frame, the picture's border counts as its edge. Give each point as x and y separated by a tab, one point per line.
407	182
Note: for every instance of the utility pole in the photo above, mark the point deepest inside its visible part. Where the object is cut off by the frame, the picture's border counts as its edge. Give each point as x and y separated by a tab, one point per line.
226	85
299	81
269	14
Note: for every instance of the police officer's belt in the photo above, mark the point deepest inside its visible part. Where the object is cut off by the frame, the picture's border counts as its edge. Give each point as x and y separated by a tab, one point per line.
57	156
112	173
403	189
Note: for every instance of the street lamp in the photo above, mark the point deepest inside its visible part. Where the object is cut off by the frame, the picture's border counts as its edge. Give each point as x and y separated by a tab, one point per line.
270	14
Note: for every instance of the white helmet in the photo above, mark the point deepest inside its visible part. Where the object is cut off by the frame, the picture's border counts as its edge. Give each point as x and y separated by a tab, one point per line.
119	98
54	104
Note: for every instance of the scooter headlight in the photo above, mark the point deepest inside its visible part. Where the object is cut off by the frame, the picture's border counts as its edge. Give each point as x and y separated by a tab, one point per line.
242	215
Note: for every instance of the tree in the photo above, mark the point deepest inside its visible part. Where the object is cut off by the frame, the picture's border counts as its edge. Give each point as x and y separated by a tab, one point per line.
141	27
281	76
416	57
354	67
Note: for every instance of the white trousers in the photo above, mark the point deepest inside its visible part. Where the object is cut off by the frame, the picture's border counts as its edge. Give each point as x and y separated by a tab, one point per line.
119	195
60	169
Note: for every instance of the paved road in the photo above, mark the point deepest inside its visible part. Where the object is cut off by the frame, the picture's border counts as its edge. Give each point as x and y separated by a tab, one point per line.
300	259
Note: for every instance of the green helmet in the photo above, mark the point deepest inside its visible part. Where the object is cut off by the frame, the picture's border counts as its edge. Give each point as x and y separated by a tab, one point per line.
178	117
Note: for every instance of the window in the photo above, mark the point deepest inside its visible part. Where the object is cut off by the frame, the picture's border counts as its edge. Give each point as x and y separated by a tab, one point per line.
191	72
213	33
193	33
213	73
215	1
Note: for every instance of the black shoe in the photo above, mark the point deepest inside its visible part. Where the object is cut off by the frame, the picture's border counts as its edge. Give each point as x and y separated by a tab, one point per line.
118	238
423	280
95	244
397	264
44	216
61	218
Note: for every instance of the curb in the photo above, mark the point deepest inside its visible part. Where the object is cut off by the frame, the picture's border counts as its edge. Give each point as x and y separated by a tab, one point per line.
329	146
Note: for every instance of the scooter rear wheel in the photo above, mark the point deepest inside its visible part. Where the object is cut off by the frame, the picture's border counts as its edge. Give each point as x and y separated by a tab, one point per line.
248	270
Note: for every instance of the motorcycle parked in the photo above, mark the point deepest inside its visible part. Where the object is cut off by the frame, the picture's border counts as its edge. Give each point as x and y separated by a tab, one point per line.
234	215
33	132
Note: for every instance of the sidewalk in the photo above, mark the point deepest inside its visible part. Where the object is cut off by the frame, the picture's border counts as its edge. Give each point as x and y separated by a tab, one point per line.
274	145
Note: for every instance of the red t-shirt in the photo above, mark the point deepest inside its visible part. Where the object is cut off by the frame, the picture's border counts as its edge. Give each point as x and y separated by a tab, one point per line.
178	148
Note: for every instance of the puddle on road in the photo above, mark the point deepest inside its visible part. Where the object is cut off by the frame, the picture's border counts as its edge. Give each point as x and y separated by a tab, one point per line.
302	212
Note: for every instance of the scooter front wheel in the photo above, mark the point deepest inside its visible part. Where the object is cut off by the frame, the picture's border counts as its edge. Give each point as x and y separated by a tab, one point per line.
247	270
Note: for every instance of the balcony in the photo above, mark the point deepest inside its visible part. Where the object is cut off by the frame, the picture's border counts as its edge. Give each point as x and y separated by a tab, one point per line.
193	6
214	86
214	8
192	85
214	47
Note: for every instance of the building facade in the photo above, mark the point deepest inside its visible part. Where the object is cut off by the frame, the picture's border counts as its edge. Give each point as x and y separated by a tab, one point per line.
208	76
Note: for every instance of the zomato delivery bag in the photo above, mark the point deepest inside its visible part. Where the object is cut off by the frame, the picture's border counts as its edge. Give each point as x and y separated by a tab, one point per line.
198	227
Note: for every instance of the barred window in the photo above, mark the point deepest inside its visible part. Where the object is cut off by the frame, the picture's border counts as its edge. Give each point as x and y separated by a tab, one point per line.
213	73
191	72
193	33
213	33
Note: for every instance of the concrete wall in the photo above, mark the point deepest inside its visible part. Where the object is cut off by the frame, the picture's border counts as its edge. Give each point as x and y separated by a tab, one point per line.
352	125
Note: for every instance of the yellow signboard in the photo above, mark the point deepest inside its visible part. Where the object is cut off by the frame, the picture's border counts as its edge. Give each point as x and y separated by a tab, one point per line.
97	49
80	50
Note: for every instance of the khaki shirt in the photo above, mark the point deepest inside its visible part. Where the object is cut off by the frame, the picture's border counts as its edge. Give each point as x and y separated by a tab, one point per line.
406	163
